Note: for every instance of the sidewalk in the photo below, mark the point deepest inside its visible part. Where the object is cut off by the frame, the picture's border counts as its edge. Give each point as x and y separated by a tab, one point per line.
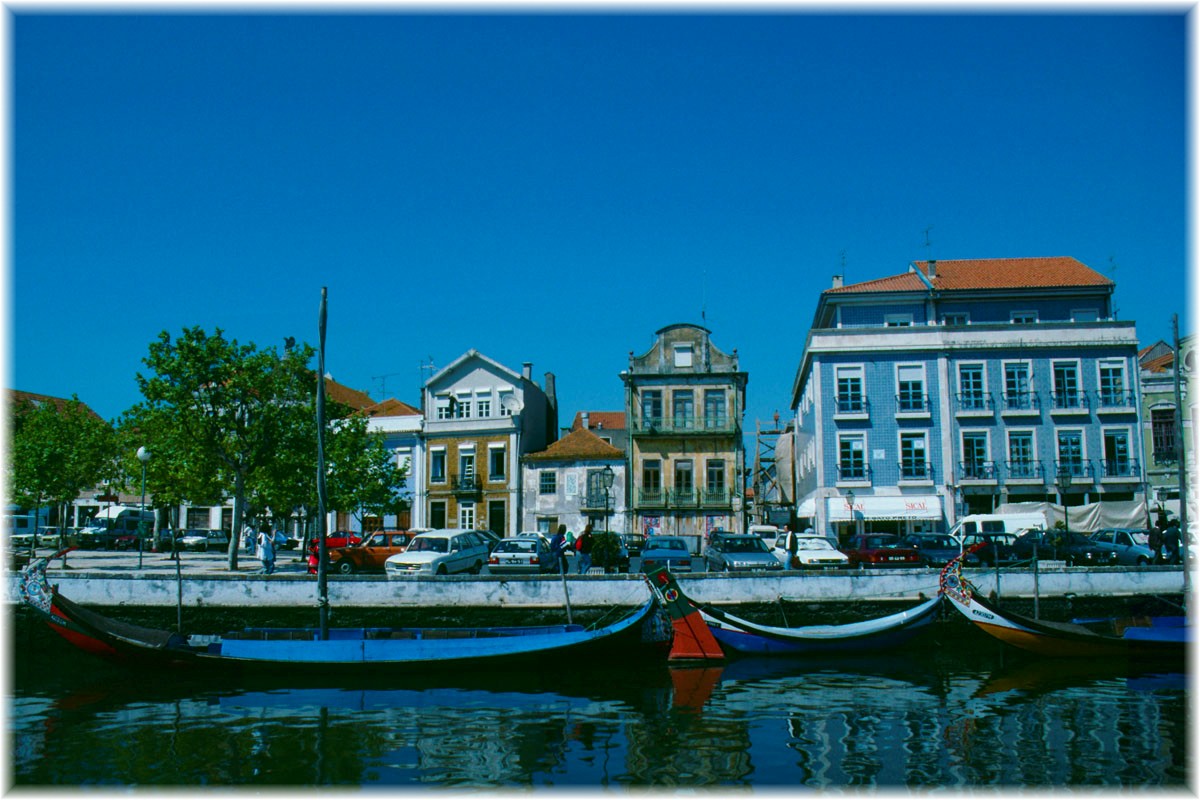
288	561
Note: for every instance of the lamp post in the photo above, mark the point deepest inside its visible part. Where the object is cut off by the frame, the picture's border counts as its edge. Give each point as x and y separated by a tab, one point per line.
143	456
850	508
606	478
1063	481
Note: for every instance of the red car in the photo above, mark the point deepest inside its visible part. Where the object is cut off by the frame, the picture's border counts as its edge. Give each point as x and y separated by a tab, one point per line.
880	550
332	542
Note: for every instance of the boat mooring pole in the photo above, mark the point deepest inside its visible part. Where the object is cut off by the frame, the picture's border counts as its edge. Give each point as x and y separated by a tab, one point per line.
322	571
1035	582
562	572
1181	460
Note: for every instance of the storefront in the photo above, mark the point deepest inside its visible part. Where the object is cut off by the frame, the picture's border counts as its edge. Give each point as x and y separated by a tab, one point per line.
898	514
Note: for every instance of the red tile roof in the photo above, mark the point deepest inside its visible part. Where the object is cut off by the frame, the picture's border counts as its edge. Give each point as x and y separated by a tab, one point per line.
1163	363
579	445
600	420
391	408
346	396
987	273
16	396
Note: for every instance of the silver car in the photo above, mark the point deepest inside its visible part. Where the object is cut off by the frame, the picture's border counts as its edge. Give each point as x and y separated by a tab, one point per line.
739	552
1132	545
521	556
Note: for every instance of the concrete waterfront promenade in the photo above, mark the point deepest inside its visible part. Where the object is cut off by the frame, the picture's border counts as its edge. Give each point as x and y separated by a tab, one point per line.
114	579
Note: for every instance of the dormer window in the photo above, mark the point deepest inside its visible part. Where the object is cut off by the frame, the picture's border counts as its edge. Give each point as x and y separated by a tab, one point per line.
683	355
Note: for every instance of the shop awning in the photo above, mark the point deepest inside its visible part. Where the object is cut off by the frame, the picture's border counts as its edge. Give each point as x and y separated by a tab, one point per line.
886	507
808	508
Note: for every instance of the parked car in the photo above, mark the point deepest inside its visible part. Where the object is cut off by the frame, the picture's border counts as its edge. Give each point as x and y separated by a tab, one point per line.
812	551
1132	545
47	536
997	549
609	552
370	554
666	551
938	549
634	543
538	535
521	555
441	552
880	550
490	538
739	552
333	541
1073	548
165	537
204	539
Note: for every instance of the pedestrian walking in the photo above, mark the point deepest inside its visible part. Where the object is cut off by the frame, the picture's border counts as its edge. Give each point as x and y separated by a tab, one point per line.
558	546
584	546
266	550
1156	542
1171	542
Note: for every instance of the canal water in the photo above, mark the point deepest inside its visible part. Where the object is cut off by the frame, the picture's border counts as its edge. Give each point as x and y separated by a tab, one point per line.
954	709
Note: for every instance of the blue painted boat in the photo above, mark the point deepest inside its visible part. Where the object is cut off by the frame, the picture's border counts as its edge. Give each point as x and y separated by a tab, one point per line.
642	632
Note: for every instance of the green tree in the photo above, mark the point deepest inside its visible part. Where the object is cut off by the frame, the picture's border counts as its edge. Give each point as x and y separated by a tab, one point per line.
57	451
221	405
363	476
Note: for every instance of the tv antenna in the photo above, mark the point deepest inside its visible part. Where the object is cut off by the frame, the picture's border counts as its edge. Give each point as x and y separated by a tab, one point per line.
928	243
381	380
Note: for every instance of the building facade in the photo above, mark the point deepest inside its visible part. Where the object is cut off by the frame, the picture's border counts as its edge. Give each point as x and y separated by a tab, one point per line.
480	417
564	485
961	385
684	403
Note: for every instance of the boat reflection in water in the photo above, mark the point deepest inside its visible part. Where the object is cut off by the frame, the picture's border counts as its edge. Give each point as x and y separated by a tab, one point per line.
948	713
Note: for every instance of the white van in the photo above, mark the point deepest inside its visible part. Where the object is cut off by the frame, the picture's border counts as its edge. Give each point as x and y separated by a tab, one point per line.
997	523
112	523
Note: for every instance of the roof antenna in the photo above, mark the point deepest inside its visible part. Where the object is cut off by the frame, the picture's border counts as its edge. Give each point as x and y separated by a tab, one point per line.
928	244
703	297
1112	271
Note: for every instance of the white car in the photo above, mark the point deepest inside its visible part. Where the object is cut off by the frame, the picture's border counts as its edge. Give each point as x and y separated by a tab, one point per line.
441	552
812	551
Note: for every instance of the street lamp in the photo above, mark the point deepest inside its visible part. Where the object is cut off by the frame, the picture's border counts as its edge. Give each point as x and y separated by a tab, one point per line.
606	478
143	456
850	508
1063	481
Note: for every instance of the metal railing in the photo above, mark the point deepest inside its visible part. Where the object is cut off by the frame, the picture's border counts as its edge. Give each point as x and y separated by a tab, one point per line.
1121	468
852	404
1076	469
977	470
854	472
1069	401
1024	470
916	471
912	403
1022	401
685	424
1110	399
975	401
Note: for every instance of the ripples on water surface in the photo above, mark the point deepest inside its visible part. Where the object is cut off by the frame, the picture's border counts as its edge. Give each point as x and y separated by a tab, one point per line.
925	717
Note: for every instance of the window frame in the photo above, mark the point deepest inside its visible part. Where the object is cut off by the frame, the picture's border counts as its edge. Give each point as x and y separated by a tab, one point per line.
547	481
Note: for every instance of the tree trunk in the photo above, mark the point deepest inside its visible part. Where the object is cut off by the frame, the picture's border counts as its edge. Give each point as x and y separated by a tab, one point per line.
235	535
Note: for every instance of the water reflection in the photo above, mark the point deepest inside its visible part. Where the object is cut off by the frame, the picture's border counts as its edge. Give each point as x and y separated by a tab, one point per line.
918	718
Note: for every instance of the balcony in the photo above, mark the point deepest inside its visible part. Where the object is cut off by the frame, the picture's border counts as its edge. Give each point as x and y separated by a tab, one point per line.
1028	471
465	485
684	498
1077	469
686	425
974	404
1109	402
1069	402
851	407
1120	470
1020	403
977	471
856	474
913	405
651	498
716	498
915	472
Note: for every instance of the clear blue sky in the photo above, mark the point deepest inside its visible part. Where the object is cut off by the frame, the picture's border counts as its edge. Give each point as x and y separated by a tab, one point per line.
556	188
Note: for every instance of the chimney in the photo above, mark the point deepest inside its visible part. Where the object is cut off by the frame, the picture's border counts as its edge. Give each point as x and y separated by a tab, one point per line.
932	268
549	389
837	281
527	370
584	420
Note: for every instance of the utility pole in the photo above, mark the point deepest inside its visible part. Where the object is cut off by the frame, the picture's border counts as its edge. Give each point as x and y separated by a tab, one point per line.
1180	457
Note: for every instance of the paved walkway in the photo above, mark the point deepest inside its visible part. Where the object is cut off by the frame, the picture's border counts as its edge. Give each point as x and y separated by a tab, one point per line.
288	561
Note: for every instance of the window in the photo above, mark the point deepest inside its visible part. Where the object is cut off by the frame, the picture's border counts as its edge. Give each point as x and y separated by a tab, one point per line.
1117	463
462	407
652	475
910	384
1023	317
437	514
956	318
913	465
1021	461
652	407
684	480
483	405
714	482
466	469
683	355
1066	384
1070	453
1162	434
466	515
683	408
1112	383
714	409
975	464
437	465
547	482
547	525
897	320
443	407
1085	315
506	403
972	395
850	398
852	457
1018	395
497	463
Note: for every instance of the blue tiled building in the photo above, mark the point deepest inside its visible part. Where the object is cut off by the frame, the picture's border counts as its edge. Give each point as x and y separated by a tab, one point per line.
960	385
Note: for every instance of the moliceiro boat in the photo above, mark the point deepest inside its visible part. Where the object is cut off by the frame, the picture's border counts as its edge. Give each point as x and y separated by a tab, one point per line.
641	632
743	637
1131	638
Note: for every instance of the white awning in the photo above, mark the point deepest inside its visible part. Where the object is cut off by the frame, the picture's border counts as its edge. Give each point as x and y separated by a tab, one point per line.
808	508
886	507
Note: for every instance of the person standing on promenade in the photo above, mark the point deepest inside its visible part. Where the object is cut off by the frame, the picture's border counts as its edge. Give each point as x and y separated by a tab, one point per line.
266	549
1171	542
1156	542
558	544
585	549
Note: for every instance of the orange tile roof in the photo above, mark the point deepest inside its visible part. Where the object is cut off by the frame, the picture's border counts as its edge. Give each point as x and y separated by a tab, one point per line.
579	445
1161	364
346	396
16	396
601	420
987	273
391	408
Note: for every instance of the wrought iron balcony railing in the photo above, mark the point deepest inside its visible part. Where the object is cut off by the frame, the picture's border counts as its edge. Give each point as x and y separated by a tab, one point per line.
854	472
1069	401
1121	468
1124	401
686	424
977	470
1024	470
1021	401
916	471
912	403
852	404
975	402
1074	468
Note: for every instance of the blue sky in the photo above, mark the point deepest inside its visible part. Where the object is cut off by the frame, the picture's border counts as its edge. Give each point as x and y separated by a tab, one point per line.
554	188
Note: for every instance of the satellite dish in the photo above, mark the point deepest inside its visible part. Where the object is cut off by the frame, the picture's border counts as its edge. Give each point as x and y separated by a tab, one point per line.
512	405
